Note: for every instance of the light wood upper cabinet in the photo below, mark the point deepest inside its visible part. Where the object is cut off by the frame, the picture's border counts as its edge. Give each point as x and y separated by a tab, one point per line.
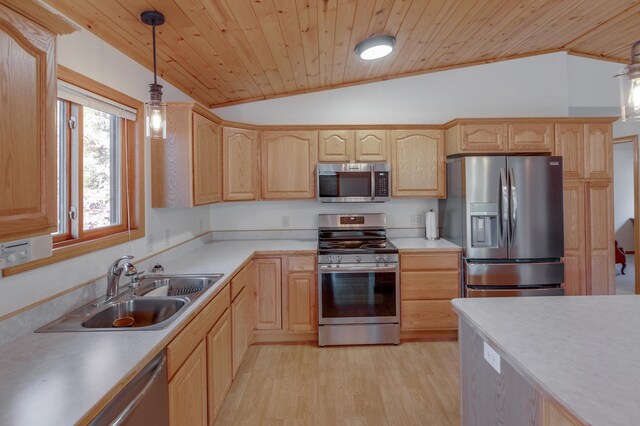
570	146
599	151
418	163
530	137
188	391
27	128
371	145
476	138
220	365
336	145
207	161
268	293
288	162
186	168
241	180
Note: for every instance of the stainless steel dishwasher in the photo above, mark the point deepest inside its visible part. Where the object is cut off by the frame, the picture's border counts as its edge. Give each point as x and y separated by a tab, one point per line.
144	401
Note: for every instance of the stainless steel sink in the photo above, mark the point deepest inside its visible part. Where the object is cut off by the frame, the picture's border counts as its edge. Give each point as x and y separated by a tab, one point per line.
176	285
152	306
136	313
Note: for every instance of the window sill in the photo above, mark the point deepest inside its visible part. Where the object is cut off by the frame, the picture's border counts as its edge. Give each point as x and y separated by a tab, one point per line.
75	250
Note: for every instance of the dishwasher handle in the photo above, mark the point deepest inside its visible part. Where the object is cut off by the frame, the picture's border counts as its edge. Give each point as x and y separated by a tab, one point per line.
122	417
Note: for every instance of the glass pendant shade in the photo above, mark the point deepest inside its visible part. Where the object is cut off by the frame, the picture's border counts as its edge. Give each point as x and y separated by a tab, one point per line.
155	120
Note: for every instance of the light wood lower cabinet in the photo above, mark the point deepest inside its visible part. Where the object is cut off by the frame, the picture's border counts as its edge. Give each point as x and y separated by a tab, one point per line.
220	364
268	293
302	309
428	282
188	391
242	329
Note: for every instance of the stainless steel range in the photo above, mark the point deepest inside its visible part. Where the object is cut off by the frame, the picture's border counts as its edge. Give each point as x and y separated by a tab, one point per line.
358	281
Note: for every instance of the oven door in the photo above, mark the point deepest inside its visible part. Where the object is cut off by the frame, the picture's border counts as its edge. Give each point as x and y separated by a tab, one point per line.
359	293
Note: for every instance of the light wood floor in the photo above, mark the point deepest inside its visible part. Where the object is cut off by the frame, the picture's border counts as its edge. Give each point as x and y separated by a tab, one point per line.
302	384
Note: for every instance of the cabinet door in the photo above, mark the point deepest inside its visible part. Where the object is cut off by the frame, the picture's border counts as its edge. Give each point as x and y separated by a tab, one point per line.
569	145
418	163
575	279
336	145
601	238
240	316
188	391
240	164
27	128
599	151
288	162
302	307
207	161
371	145
219	364
427	315
483	137
268	294
530	137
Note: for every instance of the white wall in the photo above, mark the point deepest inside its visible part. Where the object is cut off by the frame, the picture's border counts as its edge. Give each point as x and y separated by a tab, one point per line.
303	214
533	86
87	54
623	193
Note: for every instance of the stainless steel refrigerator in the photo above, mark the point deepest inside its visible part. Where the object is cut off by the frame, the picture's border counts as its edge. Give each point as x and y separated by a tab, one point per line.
506	214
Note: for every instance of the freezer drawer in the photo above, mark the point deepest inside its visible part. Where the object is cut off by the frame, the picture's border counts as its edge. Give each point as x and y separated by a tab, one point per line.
479	273
513	292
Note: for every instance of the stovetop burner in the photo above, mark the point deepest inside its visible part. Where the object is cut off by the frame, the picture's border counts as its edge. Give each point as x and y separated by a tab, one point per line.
356	246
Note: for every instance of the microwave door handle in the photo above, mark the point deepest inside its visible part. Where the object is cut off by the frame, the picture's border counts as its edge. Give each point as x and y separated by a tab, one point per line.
514	206
504	207
373	184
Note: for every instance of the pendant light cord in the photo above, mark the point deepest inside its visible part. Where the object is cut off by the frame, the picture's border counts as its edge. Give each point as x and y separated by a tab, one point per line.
155	78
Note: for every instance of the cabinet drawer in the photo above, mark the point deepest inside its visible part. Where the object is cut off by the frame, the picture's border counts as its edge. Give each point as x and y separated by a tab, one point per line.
241	280
429	285
429	261
180	347
302	263
427	315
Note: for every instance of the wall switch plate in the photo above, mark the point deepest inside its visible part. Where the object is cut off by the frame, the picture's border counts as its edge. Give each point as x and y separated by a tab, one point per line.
492	357
285	221
415	219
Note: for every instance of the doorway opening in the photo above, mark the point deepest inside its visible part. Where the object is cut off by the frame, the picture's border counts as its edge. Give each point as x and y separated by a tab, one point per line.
625	190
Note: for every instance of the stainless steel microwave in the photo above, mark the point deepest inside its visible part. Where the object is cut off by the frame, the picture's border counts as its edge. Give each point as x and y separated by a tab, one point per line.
353	182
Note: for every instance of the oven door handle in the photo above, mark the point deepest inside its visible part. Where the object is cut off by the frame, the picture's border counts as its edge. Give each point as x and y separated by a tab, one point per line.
358	268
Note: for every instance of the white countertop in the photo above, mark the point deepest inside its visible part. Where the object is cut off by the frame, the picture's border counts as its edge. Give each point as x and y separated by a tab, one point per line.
57	378
582	350
424	244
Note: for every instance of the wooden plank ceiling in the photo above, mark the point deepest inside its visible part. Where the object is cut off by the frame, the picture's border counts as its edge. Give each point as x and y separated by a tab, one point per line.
224	52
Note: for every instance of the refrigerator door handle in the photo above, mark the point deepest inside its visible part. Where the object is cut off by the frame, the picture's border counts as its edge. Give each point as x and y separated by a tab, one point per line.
514	205
504	207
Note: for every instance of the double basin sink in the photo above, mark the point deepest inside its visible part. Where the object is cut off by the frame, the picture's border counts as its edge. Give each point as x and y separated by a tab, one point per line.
153	305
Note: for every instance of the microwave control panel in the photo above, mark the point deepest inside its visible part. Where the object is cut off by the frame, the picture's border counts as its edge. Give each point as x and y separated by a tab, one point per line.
382	184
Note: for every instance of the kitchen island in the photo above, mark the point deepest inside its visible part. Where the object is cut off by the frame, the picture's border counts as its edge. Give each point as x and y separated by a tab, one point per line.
562	360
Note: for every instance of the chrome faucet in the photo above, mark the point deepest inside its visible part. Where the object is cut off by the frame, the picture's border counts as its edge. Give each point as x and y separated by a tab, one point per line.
113	276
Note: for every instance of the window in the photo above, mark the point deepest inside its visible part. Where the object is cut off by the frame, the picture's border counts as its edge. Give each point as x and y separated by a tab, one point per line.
91	199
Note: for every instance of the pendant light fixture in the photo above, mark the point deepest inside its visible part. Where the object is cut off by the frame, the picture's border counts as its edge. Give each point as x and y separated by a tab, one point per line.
155	110
375	47
630	86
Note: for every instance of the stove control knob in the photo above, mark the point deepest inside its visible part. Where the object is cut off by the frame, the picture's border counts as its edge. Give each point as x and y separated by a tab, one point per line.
339	259
330	259
358	259
377	258
385	258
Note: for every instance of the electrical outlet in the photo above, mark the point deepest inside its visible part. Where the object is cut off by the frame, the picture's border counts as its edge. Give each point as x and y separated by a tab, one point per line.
492	357
285	221
149	243
167	237
415	219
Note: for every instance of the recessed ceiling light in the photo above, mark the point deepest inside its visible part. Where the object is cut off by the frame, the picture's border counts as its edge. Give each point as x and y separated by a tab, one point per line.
375	47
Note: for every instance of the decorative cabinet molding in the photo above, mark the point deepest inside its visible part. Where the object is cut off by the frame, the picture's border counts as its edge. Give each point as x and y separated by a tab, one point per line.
530	137
418	163
476	138
186	168
288	163
336	145
28	203
241	172
371	145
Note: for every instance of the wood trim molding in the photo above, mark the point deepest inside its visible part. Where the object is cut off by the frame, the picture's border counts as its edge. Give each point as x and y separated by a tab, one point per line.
636	198
41	15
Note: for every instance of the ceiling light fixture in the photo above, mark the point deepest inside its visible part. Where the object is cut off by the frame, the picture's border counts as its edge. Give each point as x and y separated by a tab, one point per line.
630	86
155	110
375	47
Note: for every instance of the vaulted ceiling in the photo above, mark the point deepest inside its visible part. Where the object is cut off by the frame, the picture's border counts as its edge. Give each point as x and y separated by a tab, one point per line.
224	52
